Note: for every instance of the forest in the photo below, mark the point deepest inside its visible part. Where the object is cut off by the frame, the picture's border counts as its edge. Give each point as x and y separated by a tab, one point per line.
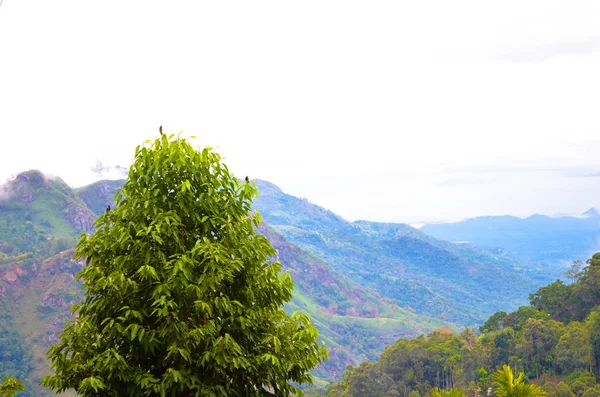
555	342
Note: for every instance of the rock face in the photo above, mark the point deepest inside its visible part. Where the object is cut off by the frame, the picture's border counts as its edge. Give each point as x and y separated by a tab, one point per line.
80	217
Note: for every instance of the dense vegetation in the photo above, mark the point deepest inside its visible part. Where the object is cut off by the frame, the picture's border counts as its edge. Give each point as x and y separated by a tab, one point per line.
10	386
555	341
15	357
182	296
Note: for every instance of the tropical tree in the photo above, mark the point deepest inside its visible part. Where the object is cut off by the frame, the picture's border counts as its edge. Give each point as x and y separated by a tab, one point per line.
593	325
506	385
10	386
182	296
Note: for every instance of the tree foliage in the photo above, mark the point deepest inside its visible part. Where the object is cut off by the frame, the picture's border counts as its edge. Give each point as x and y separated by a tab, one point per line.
182	296
528	340
10	386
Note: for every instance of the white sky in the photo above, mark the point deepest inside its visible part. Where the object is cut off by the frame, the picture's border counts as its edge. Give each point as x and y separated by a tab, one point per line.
380	110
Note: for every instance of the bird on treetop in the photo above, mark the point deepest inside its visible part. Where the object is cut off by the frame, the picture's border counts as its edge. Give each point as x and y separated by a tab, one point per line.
247	179
160	130
107	209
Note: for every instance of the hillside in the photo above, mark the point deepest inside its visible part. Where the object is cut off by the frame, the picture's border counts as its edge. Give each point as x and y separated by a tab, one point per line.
40	215
454	282
537	239
37	285
555	342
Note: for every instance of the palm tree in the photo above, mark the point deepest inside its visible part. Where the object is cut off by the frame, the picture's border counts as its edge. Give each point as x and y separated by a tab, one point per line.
506	385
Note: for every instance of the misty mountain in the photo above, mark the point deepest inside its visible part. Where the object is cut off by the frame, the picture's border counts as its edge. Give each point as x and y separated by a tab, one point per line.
455	282
537	239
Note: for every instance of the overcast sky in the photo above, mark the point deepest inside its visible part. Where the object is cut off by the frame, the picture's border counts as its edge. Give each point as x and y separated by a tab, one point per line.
380	110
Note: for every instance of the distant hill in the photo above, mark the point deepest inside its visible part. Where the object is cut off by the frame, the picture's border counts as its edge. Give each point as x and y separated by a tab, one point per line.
41	218
455	282
537	239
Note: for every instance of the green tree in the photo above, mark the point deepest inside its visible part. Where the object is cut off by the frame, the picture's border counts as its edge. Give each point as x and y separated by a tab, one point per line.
587	288
494	323
553	299
562	390
592	392
506	385
369	380
10	386
574	350
182	296
578	388
593	325
574	271
538	338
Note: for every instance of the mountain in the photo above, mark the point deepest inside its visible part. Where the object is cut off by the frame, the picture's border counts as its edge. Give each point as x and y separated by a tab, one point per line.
538	239
454	282
40	219
99	194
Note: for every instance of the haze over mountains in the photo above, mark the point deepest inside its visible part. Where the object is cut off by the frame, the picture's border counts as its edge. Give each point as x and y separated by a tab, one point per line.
538	238
365	284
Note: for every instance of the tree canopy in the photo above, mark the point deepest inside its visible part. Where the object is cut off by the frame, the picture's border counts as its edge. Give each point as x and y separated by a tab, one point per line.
182	296
10	386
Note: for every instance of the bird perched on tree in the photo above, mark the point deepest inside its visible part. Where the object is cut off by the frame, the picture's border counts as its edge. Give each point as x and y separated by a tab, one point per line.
160	130
247	179
107	209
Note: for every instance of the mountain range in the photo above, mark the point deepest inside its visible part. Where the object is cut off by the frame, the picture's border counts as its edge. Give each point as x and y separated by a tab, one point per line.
454	282
538	240
365	284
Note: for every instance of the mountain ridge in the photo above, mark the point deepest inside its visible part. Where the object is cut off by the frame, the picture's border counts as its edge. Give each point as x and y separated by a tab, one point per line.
435	277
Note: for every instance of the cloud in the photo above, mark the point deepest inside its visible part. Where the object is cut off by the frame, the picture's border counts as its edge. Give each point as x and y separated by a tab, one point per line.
583	173
546	52
5	192
102	171
489	174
